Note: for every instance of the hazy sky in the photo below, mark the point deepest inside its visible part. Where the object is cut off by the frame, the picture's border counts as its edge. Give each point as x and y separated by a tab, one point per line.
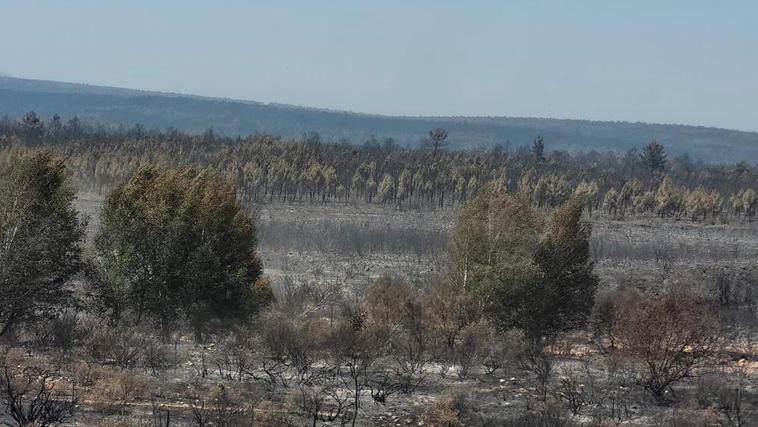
690	62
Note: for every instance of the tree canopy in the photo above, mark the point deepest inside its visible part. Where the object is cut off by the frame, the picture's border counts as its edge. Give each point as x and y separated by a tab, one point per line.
40	239
530	273
178	244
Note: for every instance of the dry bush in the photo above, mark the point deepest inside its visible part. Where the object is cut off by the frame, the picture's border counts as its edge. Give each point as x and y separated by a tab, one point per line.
535	360
685	418
447	411
158	357
398	322
450	310
503	348
222	407
383	303
302	299
726	391
615	397
665	338
576	386
471	350
120	421
114	390
33	393
322	398
410	347
62	332
288	348
355	352
456	327
118	345
233	356
270	413
548	417
605	316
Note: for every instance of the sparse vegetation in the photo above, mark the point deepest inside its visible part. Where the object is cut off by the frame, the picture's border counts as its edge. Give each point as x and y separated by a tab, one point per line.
543	298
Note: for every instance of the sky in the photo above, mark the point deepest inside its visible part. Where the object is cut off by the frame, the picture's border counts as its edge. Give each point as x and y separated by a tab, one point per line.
687	62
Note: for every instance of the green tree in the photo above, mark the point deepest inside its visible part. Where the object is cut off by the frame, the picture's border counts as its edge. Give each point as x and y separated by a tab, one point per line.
530	275
654	156
494	237
40	238
177	244
560	296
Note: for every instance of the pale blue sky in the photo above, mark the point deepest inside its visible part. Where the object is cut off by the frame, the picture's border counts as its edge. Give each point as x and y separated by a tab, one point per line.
690	62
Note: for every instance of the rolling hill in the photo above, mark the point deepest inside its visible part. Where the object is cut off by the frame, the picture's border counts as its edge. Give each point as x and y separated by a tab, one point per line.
111	105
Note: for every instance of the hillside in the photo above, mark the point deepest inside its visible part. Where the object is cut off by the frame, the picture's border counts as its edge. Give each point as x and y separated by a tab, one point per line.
231	117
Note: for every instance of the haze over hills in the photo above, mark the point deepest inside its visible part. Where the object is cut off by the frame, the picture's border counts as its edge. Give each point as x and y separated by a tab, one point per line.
109	105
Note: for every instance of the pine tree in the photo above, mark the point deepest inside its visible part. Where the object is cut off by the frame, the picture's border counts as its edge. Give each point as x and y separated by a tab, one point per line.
654	156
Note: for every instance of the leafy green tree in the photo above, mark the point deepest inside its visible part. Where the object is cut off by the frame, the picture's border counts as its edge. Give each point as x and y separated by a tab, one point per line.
178	244
560	296
40	238
494	238
530	275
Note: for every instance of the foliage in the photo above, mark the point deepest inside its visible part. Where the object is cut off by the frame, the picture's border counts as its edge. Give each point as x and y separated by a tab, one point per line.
266	168
654	156
178	244
563	296
40	237
533	276
494	237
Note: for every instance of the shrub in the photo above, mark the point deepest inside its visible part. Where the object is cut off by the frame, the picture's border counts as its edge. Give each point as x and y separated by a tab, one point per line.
666	337
536	360
119	345
503	348
447	411
31	396
114	389
61	332
549	417
223	408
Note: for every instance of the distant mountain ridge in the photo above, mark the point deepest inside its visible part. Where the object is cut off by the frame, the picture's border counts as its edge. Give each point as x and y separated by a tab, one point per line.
111	105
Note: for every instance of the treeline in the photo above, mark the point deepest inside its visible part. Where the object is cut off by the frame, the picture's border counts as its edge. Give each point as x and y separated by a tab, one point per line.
114	106
266	168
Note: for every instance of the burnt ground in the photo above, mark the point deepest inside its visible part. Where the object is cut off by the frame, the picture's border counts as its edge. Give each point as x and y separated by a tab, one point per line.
349	246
